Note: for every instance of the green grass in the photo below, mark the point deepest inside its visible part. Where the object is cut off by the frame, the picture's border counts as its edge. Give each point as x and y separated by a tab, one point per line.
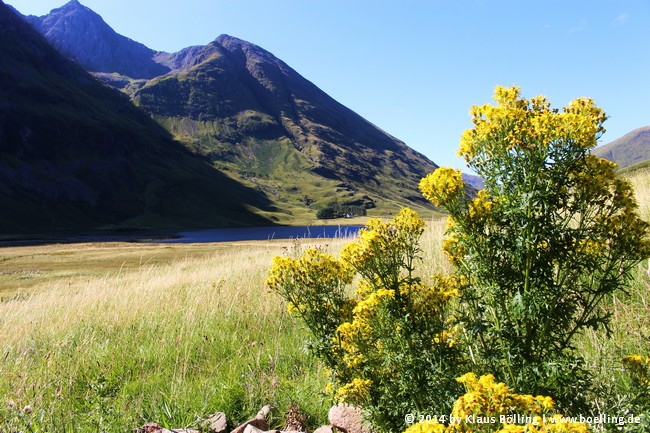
114	347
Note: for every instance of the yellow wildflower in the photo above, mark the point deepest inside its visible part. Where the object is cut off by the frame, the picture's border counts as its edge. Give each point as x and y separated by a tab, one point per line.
355	392
639	366
442	186
481	206
427	426
517	124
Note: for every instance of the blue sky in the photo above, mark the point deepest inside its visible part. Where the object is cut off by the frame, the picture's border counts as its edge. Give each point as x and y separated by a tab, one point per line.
415	67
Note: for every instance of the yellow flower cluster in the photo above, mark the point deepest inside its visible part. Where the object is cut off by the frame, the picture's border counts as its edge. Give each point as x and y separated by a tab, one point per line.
379	237
442	186
483	397
489	406
367	306
446	337
639	366
451	244
313	269
596	178
356	336
481	206
429	300
313	286
355	392
517	124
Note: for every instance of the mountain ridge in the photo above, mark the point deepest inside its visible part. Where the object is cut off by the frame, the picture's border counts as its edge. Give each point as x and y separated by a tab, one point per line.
631	148
111	52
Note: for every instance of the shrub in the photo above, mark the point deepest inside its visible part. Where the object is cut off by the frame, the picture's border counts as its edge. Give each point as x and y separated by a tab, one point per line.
337	210
391	348
553	234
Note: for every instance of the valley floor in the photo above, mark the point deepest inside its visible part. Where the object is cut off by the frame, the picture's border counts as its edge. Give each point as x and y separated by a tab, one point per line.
110	336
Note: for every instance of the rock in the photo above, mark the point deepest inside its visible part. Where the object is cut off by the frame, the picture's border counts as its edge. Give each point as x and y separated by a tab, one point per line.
263	413
252	429
258	423
217	423
325	429
347	419
156	428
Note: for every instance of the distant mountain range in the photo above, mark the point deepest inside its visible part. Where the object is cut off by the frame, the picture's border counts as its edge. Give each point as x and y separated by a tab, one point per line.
251	116
630	149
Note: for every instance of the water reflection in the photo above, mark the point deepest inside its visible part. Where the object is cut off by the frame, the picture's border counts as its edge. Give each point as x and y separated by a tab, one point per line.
264	233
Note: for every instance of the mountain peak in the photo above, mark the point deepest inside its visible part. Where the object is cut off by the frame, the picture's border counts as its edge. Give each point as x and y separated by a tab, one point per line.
632	148
75	7
231	42
77	155
80	33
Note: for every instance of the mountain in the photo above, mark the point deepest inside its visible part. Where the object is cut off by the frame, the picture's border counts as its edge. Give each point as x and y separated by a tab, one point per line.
81	34
632	148
77	154
475	182
254	117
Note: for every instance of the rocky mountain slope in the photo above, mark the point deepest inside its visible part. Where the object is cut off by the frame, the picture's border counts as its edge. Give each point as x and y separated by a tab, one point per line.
252	116
632	148
76	154
81	34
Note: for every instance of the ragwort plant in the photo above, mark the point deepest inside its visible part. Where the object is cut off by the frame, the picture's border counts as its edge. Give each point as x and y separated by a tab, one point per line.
552	235
391	346
491	407
638	368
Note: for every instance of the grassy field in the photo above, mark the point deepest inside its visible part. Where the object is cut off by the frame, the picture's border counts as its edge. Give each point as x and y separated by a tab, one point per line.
108	336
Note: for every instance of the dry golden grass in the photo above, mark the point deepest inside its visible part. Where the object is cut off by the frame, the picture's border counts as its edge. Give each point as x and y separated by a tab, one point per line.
130	333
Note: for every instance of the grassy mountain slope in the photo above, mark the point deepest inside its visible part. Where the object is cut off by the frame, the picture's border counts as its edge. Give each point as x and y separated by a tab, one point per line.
76	154
632	148
257	118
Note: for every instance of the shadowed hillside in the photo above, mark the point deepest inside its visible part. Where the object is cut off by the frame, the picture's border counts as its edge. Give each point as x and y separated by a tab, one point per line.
76	154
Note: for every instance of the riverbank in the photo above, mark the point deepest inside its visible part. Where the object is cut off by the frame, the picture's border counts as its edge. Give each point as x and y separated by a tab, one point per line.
341	227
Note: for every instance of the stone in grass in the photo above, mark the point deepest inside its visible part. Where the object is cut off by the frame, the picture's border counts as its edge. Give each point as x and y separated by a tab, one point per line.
217	423
347	418
155	428
264	412
259	422
325	429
